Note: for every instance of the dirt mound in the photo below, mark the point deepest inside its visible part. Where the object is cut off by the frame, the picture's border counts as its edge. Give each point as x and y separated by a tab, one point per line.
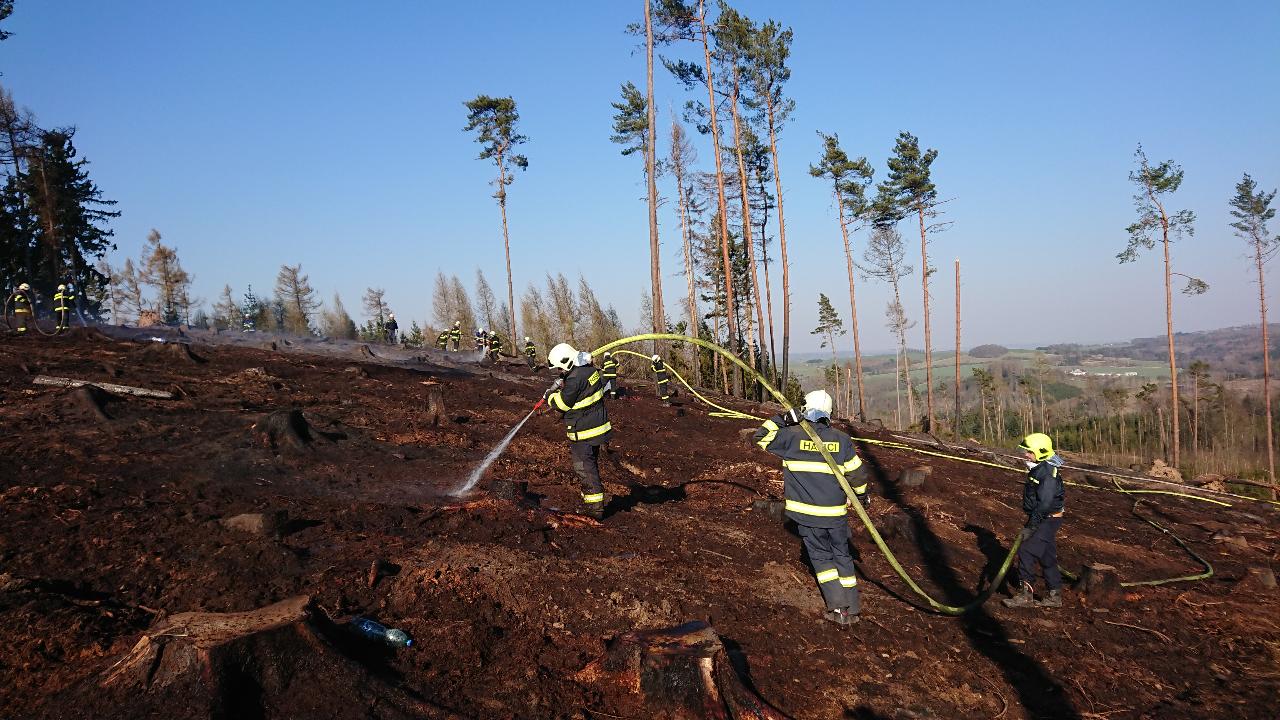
128	518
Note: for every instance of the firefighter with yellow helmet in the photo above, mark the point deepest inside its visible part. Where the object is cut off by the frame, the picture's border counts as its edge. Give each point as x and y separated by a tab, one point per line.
1043	500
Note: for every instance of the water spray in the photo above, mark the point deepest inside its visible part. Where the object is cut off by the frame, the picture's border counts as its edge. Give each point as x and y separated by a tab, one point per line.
498	449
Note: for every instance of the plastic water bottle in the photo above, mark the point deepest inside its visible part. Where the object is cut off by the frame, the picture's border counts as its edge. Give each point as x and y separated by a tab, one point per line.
381	633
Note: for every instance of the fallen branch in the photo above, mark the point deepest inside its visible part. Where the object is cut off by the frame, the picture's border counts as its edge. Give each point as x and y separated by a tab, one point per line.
109	387
1157	633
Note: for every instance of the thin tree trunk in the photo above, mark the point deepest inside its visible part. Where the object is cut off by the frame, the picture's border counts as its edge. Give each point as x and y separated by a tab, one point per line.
689	270
957	420
1195	413
506	244
897	386
782	244
768	290
1266	372
746	225
650	158
724	371
928	344
853	303
721	204
1168	317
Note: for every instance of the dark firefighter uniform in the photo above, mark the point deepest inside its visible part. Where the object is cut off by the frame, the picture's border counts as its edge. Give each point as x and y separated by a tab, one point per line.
1044	501
442	340
662	379
816	502
390	329
456	336
609	370
479	340
495	346
581	401
62	304
22	310
531	354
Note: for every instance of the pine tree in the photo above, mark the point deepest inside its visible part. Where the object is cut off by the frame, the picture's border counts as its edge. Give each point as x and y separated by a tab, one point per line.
6	9
70	233
1251	207
911	190
494	121
830	326
132	300
769	72
849	180
375	306
1153	183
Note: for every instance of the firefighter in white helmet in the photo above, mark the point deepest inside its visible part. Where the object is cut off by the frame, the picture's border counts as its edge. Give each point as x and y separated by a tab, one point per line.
578	395
815	500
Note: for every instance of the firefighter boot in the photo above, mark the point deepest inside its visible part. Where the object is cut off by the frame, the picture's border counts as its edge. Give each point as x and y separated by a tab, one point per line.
1025	597
840	616
1052	600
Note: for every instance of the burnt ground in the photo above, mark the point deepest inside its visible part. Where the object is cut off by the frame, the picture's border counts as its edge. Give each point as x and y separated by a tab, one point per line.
109	524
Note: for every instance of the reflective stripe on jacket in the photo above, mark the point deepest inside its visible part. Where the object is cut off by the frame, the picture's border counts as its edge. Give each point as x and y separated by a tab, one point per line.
813	494
580	400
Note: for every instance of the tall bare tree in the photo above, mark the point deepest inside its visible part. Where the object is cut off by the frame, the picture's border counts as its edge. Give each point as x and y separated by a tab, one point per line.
495	120
1251	207
849	179
1156	223
769	72
682	155
486	303
651	172
885	258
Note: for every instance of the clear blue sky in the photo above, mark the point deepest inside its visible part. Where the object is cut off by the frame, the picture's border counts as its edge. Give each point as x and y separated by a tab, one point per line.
329	133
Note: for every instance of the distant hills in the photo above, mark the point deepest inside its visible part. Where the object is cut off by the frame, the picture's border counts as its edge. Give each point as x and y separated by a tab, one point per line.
1233	350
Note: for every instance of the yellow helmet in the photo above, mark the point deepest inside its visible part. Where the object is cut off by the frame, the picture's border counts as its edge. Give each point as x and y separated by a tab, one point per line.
1039	445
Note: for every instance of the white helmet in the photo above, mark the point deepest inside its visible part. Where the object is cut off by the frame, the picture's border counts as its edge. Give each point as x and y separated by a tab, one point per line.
24	286
562	356
818	400
526	338
656	358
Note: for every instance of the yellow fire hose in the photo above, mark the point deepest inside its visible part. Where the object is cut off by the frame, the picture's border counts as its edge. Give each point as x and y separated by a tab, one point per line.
844	484
857	505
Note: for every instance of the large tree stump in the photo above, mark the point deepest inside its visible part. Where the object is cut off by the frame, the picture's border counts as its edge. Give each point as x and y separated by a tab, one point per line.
280	661
676	674
435	406
94	400
1100	584
285	427
914	477
365	351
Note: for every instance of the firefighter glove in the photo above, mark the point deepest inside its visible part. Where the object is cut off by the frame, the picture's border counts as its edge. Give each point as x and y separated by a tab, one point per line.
1027	532
791	417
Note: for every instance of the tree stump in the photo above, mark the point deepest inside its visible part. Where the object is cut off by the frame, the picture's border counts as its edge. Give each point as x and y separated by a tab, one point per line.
1100	584
94	400
678	673
365	351
771	508
285	427
264	524
897	525
914	477
282	660
435	406
1261	578
509	490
